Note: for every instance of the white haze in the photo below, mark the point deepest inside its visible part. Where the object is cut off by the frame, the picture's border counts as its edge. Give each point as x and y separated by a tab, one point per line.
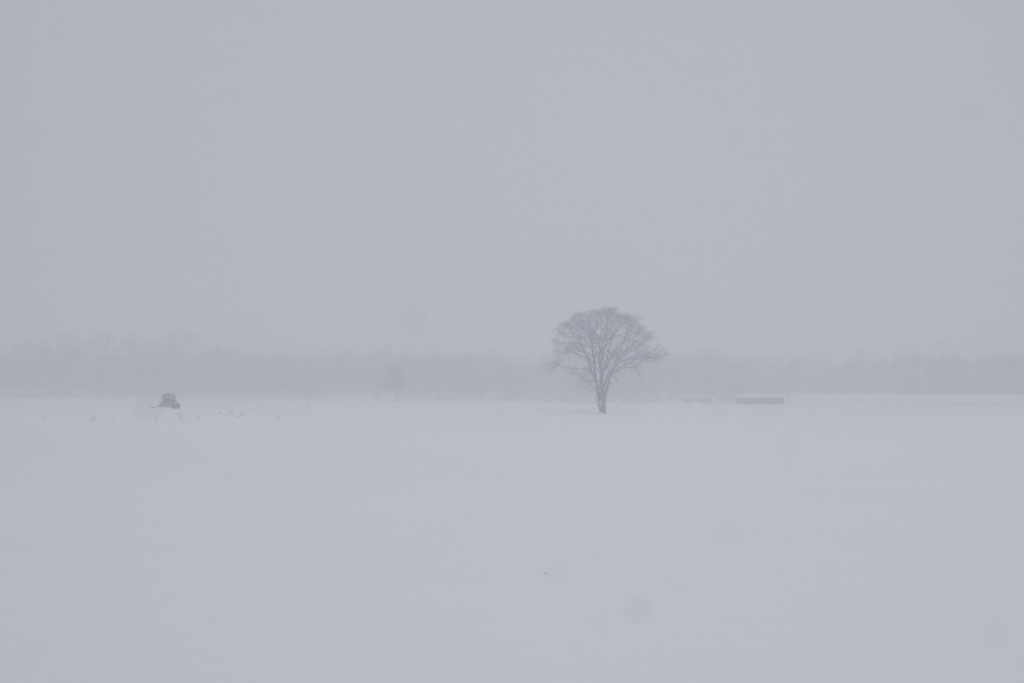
342	232
755	178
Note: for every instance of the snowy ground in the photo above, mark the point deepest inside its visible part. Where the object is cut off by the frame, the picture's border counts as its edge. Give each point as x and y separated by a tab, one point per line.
261	540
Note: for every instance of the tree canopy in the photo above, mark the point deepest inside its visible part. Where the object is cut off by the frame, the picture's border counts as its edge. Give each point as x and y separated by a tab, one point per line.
596	345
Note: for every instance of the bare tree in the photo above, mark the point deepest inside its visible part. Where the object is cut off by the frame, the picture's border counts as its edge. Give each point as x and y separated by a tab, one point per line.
597	345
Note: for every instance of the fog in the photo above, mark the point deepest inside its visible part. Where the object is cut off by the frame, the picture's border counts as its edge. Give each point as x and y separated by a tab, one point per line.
319	322
127	367
442	177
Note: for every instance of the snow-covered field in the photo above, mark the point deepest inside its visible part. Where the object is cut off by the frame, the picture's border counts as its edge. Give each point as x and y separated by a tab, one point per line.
267	540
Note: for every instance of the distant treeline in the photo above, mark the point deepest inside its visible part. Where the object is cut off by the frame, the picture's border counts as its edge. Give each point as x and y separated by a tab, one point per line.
106	366
68	366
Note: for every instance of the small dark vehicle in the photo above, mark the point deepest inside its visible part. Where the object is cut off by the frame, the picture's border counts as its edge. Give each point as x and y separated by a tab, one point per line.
169	401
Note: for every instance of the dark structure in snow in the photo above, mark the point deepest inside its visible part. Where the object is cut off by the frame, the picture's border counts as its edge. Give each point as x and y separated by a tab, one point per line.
394	380
169	401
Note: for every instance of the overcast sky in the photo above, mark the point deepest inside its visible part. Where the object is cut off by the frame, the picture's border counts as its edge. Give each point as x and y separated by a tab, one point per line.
756	178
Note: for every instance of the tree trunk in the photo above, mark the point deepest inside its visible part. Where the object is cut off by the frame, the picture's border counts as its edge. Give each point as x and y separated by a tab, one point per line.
602	400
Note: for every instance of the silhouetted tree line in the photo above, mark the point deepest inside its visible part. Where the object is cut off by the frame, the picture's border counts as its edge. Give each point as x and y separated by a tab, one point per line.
716	374
69	366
